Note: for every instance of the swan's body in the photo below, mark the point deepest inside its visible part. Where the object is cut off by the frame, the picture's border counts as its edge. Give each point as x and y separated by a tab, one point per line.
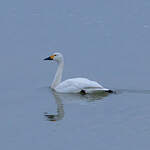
74	85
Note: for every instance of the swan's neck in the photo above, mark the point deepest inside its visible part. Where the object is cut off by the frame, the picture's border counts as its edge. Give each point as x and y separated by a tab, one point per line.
58	75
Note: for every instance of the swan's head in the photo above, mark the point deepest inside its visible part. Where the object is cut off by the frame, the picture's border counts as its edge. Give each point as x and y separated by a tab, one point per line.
58	57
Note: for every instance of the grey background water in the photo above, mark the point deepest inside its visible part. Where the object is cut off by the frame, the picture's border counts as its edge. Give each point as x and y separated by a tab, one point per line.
106	41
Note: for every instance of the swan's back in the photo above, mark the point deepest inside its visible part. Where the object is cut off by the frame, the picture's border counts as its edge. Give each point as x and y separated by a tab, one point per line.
75	85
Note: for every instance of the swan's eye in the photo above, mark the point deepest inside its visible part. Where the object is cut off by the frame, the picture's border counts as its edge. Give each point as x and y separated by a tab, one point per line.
55	55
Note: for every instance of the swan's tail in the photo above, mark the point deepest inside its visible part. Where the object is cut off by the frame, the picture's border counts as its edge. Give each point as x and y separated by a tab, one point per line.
110	91
96	90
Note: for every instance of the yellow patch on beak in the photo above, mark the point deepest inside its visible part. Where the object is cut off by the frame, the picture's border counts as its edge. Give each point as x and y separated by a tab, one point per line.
52	57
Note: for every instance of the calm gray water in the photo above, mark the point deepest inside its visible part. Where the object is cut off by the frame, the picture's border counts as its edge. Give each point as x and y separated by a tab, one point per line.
106	41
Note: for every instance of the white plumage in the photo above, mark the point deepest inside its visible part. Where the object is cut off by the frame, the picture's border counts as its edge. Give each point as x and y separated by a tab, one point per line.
74	85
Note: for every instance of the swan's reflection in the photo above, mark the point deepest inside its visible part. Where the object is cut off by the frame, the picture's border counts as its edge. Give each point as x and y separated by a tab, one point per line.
60	109
59	97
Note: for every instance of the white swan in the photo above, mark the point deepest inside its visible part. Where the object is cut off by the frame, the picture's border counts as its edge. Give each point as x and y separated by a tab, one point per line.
74	85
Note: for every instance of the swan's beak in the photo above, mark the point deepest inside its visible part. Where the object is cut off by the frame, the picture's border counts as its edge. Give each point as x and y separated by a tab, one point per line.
49	58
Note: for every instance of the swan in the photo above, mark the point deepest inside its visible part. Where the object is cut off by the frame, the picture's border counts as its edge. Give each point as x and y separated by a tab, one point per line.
74	85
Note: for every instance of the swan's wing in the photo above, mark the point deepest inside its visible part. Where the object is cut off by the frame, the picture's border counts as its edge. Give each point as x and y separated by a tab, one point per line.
75	85
67	86
86	83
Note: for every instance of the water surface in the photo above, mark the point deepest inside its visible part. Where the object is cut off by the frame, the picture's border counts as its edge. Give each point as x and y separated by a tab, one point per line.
104	41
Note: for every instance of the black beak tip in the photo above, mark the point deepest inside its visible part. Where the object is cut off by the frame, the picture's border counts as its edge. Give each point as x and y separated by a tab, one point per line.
45	59
48	58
